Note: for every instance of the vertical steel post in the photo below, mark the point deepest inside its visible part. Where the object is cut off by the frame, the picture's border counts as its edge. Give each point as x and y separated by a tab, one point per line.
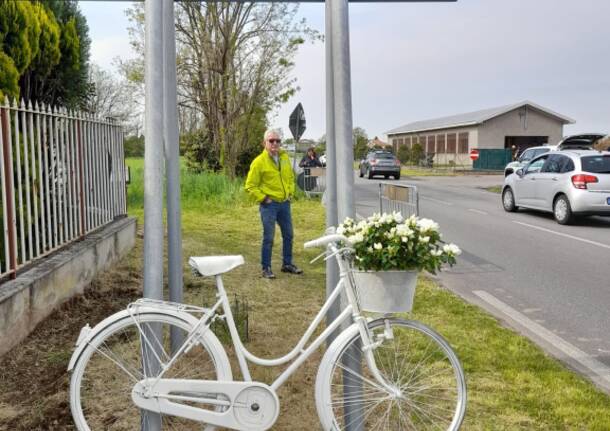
10	199
332	271
153	169
81	178
345	179
172	163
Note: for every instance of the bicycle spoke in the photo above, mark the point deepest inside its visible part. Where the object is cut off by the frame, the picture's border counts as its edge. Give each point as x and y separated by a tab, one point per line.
417	363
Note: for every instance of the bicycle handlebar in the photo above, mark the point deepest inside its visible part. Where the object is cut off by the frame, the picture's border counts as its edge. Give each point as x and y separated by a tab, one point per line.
324	240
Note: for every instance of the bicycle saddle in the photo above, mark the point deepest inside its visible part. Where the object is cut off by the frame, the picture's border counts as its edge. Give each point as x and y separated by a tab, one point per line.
214	265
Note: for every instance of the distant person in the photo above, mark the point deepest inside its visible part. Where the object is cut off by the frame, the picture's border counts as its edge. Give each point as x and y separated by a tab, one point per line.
514	151
310	160
271	182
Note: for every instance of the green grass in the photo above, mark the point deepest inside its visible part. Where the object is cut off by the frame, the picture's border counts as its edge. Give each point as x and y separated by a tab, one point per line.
512	384
494	189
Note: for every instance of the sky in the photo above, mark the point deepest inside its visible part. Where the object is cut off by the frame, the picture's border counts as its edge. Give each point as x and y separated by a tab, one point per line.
416	61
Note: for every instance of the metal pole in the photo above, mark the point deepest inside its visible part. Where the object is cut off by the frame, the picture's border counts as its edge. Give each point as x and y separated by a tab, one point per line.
332	273
153	171
9	188
172	164
353	412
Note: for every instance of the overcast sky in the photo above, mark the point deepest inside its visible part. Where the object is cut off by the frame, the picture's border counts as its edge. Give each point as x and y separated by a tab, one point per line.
415	61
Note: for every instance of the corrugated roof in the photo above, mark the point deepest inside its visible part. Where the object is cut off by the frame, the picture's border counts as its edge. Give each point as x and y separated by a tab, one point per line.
472	118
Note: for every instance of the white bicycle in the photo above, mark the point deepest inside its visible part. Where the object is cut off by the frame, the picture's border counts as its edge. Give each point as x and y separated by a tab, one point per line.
386	373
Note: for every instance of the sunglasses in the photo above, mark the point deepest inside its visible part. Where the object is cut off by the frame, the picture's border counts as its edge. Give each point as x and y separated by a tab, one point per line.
274	141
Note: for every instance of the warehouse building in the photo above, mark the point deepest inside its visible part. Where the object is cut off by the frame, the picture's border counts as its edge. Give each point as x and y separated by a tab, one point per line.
495	132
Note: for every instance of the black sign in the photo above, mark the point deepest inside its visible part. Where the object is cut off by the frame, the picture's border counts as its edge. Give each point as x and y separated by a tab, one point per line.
297	122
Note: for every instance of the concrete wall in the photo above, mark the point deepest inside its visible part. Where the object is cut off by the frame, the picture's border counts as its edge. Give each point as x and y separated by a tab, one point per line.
32	296
492	132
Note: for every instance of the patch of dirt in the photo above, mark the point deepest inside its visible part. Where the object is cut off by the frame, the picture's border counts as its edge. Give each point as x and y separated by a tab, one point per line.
34	377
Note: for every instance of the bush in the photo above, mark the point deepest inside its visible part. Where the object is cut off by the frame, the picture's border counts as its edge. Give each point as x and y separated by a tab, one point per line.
134	146
404	154
417	152
198	152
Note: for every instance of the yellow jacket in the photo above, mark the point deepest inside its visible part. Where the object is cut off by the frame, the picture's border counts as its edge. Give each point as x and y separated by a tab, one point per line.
265	178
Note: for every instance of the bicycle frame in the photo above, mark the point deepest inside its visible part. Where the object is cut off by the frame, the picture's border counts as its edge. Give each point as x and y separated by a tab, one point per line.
298	354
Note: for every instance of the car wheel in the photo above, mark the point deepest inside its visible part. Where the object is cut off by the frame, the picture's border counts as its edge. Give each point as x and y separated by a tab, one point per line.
386	176
562	210
360	172
369	174
397	176
508	200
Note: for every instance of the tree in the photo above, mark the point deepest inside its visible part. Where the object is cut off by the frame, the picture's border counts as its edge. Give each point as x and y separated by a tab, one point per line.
47	44
404	154
233	62
112	96
9	78
361	141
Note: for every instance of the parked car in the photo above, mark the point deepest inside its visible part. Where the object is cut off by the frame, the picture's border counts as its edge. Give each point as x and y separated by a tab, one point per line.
567	183
322	160
380	163
581	142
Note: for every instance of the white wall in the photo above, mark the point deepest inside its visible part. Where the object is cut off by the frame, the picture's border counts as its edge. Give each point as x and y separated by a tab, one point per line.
493	132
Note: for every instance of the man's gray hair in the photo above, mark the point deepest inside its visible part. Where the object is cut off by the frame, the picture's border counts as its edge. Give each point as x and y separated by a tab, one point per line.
271	131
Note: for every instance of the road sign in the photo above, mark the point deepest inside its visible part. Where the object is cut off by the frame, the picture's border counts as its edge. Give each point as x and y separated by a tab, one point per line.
297	122
474	154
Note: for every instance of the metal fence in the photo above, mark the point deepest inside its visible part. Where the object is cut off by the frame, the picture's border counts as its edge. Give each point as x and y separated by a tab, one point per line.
62	175
400	198
312	181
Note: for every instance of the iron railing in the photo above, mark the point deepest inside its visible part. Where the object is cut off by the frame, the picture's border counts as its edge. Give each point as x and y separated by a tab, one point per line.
62	176
312	181
400	198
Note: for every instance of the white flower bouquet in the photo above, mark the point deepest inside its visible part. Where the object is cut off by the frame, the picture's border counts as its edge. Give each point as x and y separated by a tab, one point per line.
388	242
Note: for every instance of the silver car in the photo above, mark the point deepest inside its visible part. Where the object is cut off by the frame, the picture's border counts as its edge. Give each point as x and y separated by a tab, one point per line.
566	183
583	141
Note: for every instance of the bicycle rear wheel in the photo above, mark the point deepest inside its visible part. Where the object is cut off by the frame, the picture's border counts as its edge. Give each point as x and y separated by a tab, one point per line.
105	373
427	375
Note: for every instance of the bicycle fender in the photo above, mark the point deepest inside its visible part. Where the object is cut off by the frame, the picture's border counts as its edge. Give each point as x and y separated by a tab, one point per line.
87	333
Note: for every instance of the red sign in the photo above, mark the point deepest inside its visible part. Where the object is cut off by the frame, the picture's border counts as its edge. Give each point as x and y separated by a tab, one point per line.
474	154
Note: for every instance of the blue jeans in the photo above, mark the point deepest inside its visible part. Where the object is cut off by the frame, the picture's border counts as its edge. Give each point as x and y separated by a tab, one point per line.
271	213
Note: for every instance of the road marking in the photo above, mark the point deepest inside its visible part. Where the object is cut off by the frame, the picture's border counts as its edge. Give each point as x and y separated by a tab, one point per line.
588	241
438	201
601	373
477	211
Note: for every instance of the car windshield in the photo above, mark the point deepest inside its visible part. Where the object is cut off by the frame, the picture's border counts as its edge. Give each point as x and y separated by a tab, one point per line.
596	164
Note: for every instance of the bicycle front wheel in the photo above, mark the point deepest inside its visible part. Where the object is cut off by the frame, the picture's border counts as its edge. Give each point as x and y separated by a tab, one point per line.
429	389
121	355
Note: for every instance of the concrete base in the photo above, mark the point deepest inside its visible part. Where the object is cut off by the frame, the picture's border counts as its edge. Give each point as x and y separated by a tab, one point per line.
32	296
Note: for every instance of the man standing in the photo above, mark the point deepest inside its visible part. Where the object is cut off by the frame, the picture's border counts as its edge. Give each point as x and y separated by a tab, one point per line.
271	182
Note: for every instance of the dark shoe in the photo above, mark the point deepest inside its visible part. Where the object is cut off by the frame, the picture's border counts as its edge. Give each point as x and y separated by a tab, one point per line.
267	273
291	269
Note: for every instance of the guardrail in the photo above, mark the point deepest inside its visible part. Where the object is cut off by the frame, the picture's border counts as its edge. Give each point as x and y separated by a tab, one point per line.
398	197
62	175
312	181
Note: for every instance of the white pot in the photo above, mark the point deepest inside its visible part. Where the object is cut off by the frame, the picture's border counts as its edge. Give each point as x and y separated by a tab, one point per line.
386	291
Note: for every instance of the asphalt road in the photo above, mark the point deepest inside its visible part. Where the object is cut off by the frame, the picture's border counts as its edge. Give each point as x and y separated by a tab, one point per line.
549	282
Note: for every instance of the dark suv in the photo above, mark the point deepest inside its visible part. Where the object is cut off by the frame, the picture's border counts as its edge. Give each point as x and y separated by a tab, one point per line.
380	163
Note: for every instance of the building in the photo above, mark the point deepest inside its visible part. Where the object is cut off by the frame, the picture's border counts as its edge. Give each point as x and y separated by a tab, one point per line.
509	127
377	143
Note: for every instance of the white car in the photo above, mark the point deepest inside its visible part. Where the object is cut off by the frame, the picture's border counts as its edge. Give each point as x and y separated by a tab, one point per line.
574	142
322	160
566	183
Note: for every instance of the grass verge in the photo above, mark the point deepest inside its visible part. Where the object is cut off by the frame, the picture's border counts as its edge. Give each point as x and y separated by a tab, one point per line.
494	189
512	384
